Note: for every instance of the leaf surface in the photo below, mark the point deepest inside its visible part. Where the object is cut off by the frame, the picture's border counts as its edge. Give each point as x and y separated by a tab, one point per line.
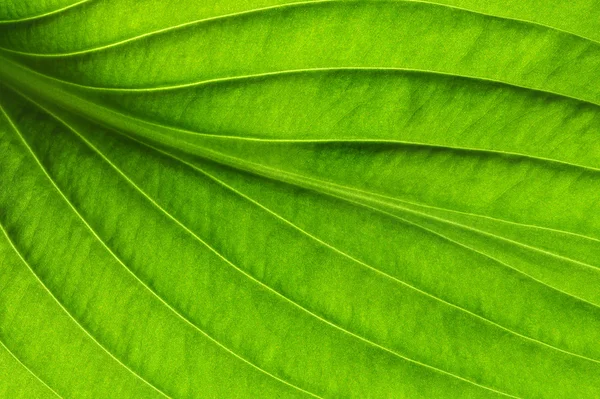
361	199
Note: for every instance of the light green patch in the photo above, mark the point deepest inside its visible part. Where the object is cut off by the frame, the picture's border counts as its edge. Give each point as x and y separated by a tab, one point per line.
272	199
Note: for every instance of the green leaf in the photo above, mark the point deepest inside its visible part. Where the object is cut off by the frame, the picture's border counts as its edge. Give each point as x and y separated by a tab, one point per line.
272	199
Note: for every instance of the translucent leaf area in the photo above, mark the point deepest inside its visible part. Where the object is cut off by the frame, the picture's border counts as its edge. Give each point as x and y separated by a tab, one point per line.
272	199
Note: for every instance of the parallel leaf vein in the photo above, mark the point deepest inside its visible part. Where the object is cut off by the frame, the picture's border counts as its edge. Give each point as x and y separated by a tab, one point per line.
260	283
140	281
283	6
14	356
343	192
63	307
312	70
352	258
46	14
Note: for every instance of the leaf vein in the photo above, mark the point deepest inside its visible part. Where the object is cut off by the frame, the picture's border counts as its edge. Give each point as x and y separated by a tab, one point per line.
14	356
263	285
63	307
46	14
283	6
140	281
356	260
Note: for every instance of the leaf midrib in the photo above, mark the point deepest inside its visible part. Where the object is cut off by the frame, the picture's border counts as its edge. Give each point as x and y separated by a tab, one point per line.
98	112
36	82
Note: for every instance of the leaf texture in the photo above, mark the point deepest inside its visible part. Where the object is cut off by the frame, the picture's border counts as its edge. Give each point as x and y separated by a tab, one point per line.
272	199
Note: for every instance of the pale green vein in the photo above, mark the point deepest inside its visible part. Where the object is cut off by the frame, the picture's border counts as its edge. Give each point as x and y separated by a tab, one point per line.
352	258
465	246
156	295
476	215
258	282
126	117
383	141
13	354
47	14
44	285
283	6
400	142
309	70
343	192
416	144
80	104
498	237
448	221
171	28
74	99
120	115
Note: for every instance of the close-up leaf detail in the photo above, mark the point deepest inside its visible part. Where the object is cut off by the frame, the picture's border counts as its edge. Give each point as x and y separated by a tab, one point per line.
299	199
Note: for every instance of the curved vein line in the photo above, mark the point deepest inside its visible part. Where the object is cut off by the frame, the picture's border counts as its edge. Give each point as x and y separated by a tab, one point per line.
478	231
343	193
165	303
460	225
47	14
317	70
298	4
498	237
429	145
190	132
310	70
410	143
263	285
44	285
577	298
484	151
13	354
449	221
185	131
476	215
172	28
352	258
416	144
367	194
